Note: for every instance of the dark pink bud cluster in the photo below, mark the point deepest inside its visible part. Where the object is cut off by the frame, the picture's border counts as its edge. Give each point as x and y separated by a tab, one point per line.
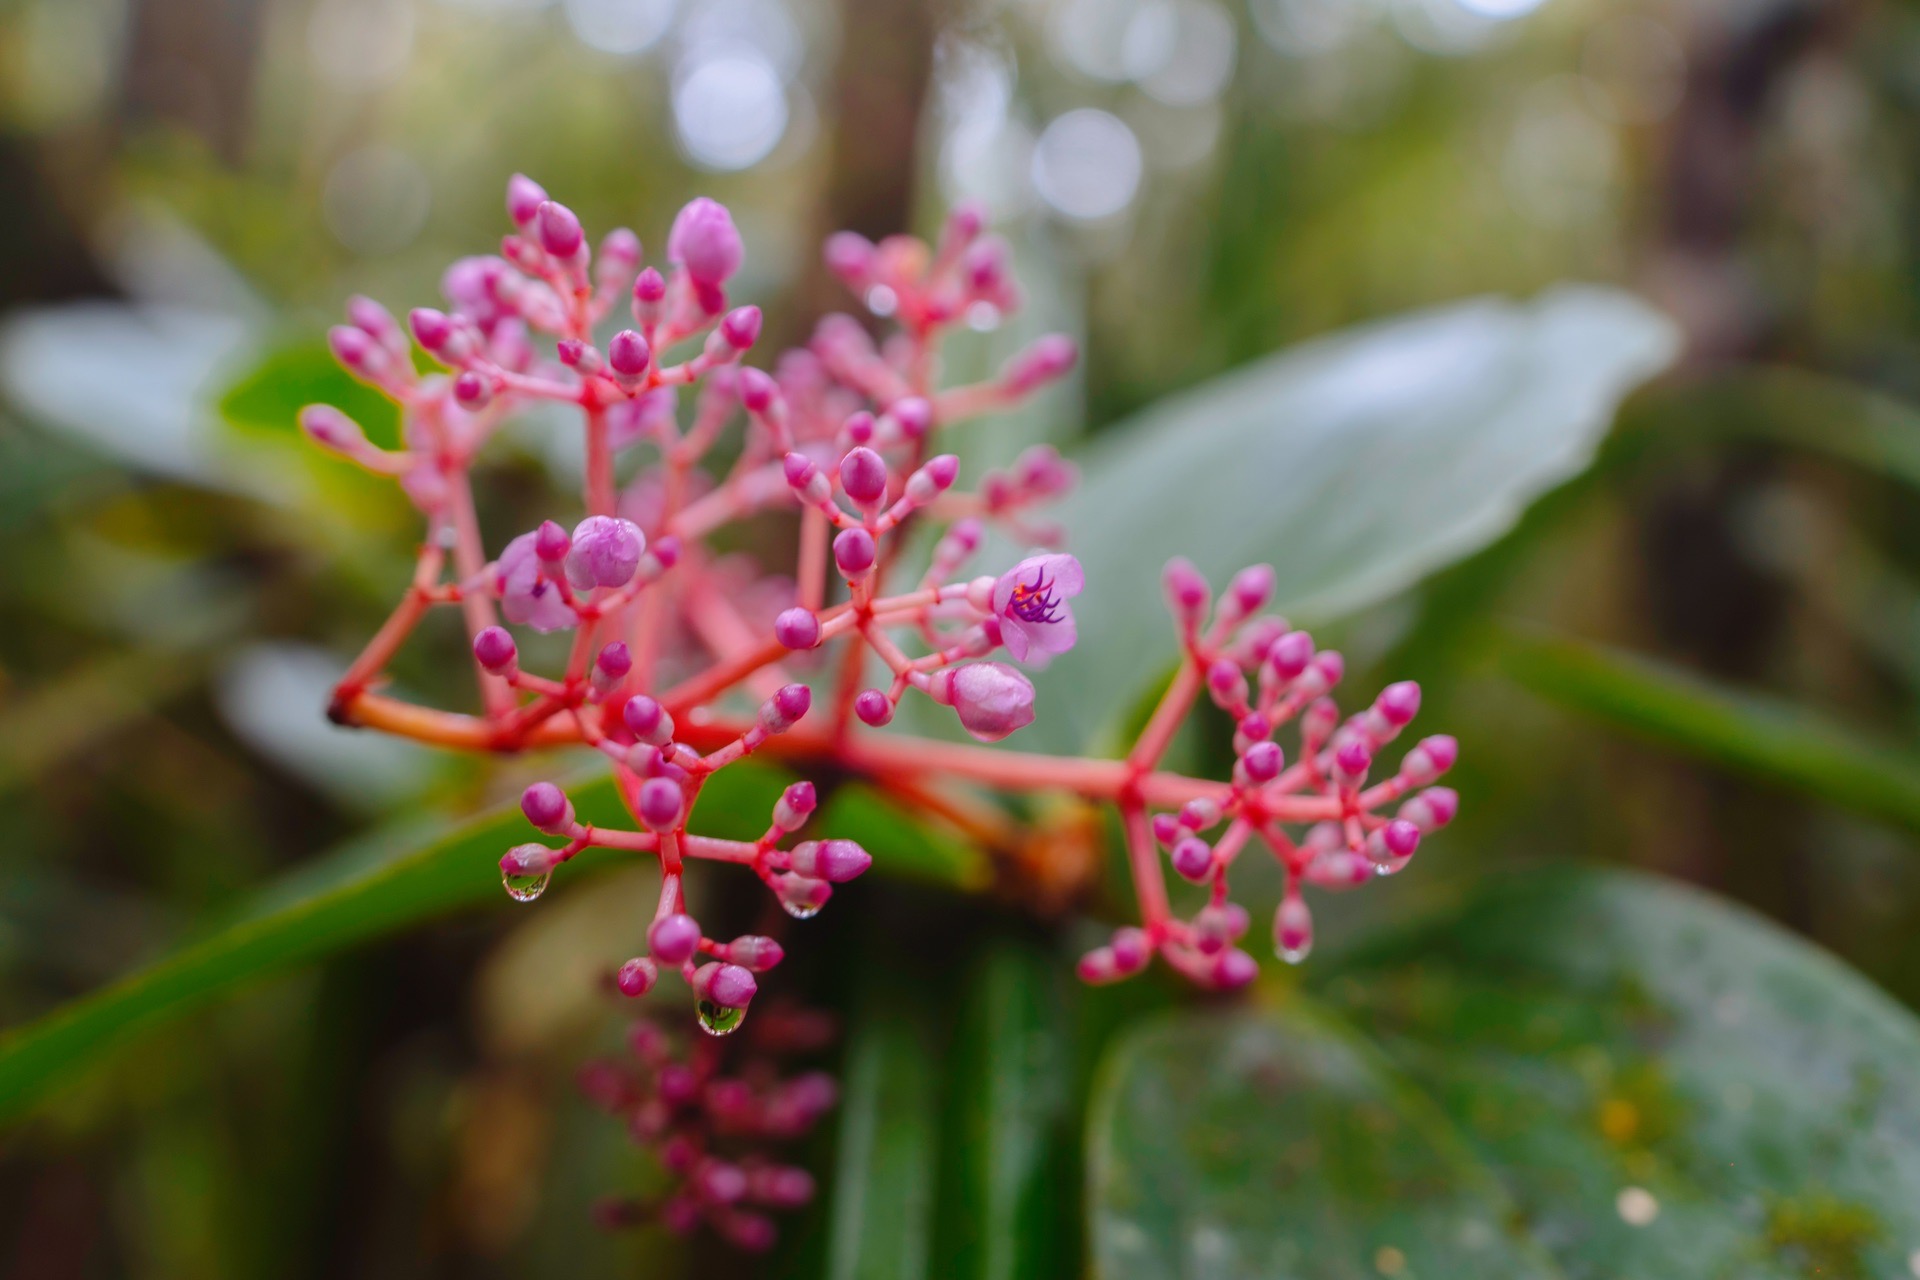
1324	816
709	1116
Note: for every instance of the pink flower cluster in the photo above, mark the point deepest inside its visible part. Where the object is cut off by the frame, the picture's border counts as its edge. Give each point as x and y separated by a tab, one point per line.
683	659
710	1130
1265	674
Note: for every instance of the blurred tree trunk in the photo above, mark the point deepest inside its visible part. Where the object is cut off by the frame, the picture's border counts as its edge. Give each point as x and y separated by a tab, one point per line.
1707	600
878	94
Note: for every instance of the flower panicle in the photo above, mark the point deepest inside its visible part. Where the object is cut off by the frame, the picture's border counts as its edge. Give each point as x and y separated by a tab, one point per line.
1327	817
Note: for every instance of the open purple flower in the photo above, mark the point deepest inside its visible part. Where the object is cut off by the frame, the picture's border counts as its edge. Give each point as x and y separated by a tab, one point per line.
526	596
1030	600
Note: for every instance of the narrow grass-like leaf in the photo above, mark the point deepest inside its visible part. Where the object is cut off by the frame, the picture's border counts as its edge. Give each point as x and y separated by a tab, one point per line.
883	1184
1764	737
1003	1202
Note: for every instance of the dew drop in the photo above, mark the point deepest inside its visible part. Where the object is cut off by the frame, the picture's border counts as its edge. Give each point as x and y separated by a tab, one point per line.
719	1019
525	888
1293	955
802	910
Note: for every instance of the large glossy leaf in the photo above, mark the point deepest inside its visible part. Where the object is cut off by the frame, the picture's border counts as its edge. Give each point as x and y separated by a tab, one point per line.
378	885
1576	1072
882	1212
1003	1201
1764	737
1354	465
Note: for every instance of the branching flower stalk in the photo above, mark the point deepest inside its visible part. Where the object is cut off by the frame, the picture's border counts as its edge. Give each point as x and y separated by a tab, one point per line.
682	662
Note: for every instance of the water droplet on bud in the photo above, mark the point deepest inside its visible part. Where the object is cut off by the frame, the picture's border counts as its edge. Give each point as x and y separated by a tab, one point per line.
525	888
1293	955
718	1019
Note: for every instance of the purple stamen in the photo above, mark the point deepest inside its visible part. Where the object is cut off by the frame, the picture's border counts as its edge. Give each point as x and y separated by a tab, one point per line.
1035	602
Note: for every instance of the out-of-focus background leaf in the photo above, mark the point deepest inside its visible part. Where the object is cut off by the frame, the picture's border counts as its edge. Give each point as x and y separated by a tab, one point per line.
252	1027
1575	1072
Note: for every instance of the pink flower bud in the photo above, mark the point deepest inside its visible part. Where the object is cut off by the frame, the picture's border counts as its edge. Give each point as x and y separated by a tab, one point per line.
647	720
1322	673
859	428
377	323
1431	758
755	952
784	709
673	939
1290	655
551	543
558	229
605	552
1251	588
359	354
637	976
1048	359
1234	969
1098	967
494	649
864	477
1192	857
547	808
802	896
1186	591
934	478
1432	809
782	1187
873	707
991	698
727	985
433	329
1214	928
1199	814
649	288
849	255
837	861
741	327
854	551
757	390
611	666
1131	950
660	803
629	353
797	628
1292	927
795	805
1351	762
703	240
524	198
331	429
1263	761
583	357
619	254
1166	829
473	391
1398	703
913	415
1226	683
529	860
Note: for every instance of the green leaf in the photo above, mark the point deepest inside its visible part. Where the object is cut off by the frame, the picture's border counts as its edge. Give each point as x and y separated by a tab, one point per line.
375	886
1575	1072
1767	738
266	400
1277	1145
1004	1207
882	1216
1355	465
